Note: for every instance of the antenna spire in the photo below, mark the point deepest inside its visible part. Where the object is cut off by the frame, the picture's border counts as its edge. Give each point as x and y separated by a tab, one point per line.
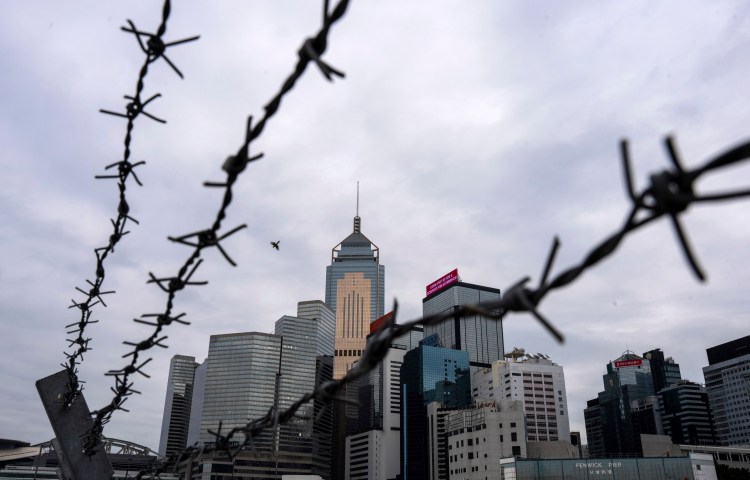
357	220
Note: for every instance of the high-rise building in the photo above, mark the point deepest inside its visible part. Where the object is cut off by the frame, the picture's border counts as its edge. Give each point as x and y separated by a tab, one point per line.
645	418
593	422
176	419
664	371
477	334
246	374
355	284
535	381
326	324
727	384
298	375
627	380
479	438
685	414
241	383
428	374
372	452
372	447
196	407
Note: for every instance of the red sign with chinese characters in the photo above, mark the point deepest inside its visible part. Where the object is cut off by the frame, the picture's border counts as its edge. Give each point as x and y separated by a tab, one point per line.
441	282
628	363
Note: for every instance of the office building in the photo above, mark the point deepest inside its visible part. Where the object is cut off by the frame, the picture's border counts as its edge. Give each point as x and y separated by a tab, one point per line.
645	418
176	419
372	449
477	334
478	438
535	381
299	373
627	380
246	374
240	383
685	414
664	371
196	407
727	379
428	374
593	422
326	324
355	284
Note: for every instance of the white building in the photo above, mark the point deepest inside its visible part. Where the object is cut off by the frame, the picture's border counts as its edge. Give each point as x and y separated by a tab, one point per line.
538	383
374	454
478	438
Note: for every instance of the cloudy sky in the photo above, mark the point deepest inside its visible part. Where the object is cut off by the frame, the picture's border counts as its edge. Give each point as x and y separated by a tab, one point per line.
477	130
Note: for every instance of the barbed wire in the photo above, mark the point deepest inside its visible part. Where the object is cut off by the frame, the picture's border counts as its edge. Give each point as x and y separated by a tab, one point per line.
154	48
670	193
311	51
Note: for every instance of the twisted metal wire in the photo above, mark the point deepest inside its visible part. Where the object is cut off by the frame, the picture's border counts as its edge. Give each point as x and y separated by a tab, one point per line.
154	48
311	51
670	193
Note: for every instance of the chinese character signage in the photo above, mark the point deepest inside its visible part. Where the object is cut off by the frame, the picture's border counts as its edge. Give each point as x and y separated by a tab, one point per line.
628	363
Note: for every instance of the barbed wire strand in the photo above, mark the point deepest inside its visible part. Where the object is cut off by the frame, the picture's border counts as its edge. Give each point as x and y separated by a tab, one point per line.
154	48
311	51
670	193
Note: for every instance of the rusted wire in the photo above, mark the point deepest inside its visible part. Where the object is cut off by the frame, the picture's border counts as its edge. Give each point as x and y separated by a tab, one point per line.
311	50
670	193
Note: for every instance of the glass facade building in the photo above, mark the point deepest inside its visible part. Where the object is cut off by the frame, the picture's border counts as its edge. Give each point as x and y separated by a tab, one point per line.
628	379
355	284
240	383
246	374
428	374
177	405
479	335
300	373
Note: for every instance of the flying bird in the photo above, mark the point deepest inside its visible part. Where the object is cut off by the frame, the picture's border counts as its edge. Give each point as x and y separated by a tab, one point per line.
275	244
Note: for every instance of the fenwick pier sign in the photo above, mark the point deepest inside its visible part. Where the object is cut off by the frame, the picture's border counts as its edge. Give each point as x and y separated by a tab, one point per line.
599	468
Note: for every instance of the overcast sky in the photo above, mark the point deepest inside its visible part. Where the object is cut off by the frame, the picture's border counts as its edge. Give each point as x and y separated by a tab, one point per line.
477	130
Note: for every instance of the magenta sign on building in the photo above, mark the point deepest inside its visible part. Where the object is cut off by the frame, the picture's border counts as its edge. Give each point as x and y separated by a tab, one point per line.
441	282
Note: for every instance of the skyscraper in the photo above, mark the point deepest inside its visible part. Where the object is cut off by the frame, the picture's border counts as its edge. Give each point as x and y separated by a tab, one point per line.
428	374
240	383
627	380
355	283
176	419
686	415
727	384
477	334
372	445
664	372
300	372
538	383
246	374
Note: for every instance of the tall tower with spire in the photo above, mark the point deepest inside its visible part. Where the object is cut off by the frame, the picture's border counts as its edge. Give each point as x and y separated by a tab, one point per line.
355	284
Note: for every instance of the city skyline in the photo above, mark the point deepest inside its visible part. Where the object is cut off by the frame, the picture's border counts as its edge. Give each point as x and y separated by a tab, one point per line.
477	136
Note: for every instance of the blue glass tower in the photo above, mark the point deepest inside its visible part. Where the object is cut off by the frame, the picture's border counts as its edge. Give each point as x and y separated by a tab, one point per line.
428	374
